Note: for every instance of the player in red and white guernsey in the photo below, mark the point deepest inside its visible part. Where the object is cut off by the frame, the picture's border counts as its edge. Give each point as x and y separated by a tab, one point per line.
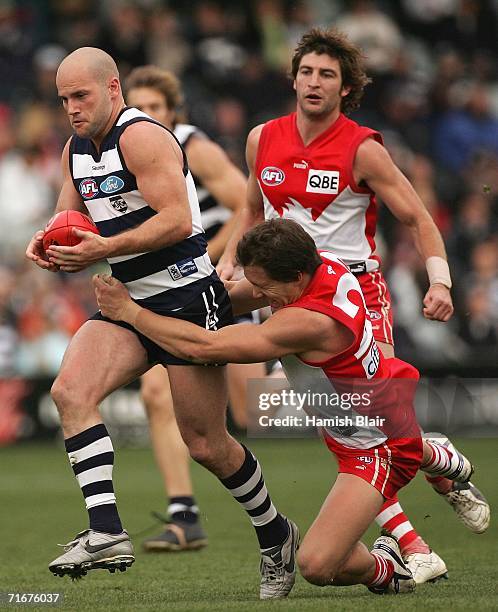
323	170
321	331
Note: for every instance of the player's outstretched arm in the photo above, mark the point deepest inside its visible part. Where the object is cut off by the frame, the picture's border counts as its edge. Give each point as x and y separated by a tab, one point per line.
289	331
374	165
250	215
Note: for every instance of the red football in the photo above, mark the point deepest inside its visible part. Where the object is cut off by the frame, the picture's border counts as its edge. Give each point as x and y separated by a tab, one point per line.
59	229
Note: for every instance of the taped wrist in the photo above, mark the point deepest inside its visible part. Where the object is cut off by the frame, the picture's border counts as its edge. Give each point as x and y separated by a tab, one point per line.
438	271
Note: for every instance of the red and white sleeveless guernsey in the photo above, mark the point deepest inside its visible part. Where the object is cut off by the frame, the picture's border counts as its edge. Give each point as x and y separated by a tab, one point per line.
386	386
314	186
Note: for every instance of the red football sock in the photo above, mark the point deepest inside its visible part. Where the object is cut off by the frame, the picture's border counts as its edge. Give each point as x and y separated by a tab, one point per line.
440	483
384	570
392	518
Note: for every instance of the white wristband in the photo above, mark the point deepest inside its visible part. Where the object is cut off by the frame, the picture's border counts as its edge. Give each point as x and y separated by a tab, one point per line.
438	271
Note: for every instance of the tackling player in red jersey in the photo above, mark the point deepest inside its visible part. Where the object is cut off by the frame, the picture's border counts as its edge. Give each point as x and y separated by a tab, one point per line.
323	335
323	170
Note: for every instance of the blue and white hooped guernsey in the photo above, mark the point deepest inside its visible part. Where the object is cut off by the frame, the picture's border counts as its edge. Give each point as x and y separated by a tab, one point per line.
213	214
166	279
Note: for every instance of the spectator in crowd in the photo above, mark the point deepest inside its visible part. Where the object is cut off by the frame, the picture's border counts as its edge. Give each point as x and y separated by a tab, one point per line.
466	130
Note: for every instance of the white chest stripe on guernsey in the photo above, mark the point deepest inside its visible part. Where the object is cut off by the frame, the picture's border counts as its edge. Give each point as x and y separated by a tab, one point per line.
153	284
101	209
85	166
197	227
341	225
215	215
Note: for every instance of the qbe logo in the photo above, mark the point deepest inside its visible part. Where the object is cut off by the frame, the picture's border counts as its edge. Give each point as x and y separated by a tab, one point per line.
88	188
272	176
323	181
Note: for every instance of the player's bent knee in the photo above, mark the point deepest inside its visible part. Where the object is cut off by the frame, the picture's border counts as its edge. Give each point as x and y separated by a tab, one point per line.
69	399
62	394
200	450
315	569
205	451
157	401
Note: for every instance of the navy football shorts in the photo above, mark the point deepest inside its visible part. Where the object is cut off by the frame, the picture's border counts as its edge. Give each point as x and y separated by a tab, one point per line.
217	314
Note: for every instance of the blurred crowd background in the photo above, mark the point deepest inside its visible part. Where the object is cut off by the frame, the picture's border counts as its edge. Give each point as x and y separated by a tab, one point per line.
434	97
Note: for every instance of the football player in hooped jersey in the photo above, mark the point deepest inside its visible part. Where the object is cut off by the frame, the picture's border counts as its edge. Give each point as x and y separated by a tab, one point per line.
321	331
154	242
220	189
323	170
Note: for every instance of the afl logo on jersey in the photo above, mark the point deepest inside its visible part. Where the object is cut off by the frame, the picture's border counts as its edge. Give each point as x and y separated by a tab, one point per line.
272	176
88	188
112	184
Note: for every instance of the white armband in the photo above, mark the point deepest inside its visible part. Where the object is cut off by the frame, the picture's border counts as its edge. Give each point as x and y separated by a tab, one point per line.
438	271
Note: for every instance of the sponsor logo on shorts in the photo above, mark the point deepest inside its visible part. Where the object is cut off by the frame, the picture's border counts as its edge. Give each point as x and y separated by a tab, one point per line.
183	268
361	467
374	315
272	176
119	204
112	184
88	188
323	181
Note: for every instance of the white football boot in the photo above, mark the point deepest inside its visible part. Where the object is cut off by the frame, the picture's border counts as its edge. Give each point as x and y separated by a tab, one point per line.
278	566
426	567
470	506
94	550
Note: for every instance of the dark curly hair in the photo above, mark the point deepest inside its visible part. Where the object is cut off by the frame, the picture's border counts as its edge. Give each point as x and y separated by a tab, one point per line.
336	44
281	247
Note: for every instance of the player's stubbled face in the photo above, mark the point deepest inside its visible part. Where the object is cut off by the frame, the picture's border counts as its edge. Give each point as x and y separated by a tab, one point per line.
152	102
86	102
276	292
318	84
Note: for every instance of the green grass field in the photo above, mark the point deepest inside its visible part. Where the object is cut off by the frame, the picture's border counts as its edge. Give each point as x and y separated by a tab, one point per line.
42	505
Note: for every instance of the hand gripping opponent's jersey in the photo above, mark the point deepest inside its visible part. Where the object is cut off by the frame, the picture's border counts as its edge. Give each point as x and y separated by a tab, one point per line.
161	280
314	186
383	387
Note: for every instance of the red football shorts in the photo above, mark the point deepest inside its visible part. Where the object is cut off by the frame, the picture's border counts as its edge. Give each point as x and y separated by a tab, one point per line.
387	467
378	301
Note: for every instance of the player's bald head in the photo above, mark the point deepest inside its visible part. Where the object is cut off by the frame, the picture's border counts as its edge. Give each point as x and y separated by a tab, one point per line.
89	62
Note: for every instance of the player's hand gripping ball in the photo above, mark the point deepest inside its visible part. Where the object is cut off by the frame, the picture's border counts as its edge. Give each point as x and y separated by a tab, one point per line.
59	230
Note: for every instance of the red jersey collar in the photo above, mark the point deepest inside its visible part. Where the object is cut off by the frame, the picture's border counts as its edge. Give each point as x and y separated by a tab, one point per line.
325	134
